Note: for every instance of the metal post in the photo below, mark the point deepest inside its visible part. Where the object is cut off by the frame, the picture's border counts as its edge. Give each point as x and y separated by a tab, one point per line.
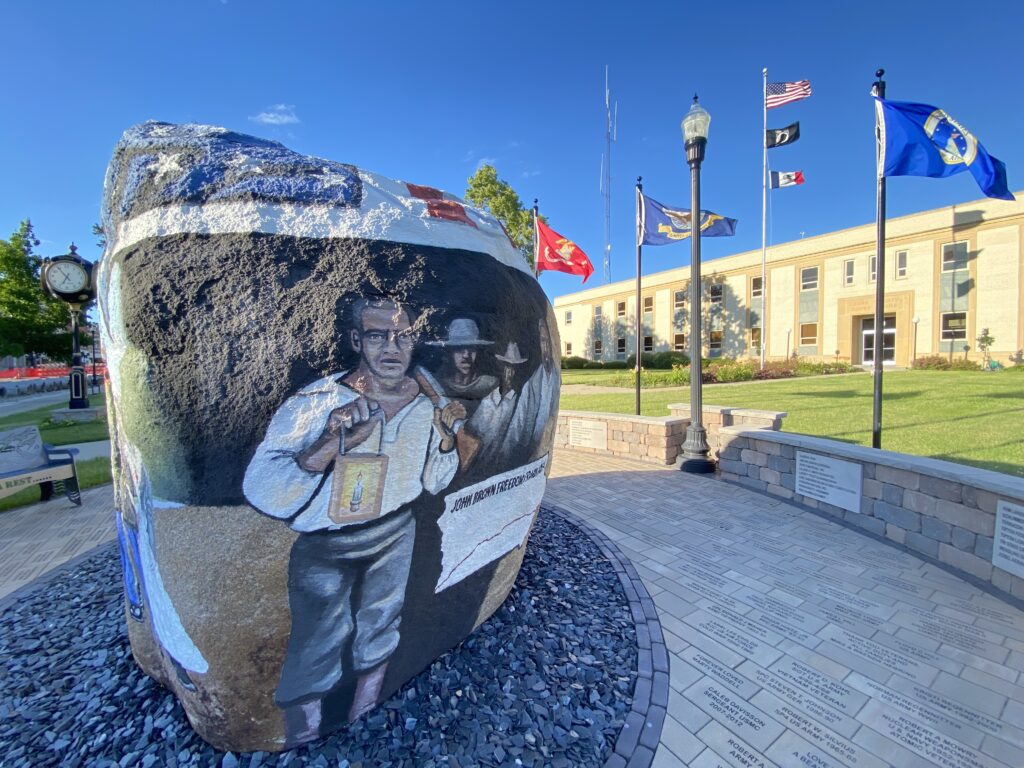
695	447
764	218
878	90
639	323
78	396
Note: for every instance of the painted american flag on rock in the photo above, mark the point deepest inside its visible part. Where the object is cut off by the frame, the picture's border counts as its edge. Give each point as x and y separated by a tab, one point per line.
778	94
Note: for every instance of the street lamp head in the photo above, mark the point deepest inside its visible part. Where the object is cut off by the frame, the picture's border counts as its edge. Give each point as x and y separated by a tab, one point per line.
695	124
916	320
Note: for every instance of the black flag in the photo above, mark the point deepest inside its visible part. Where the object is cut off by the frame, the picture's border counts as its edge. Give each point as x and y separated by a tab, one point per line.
779	137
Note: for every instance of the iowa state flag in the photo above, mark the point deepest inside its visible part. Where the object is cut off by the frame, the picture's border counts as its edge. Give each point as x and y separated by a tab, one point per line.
554	252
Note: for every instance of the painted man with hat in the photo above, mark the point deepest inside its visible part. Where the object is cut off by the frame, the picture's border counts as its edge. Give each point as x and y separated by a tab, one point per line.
459	375
491	419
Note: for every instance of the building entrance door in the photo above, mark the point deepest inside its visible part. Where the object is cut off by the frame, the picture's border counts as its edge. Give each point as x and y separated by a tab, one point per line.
867	330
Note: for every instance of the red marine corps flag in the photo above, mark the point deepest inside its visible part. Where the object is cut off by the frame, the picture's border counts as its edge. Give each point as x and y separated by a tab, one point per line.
556	252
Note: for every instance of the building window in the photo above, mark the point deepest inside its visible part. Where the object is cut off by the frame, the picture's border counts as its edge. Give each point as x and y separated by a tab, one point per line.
620	346
680	300
872	269
679	342
597	347
848	272
568	318
756	288
755	341
598	312
808	334
715	343
954	256
954	326
715	293
620	308
809	279
568	348
648	304
901	264
648	343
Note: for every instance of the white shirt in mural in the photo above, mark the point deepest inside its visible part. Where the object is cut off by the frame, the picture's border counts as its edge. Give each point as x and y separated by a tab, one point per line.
276	485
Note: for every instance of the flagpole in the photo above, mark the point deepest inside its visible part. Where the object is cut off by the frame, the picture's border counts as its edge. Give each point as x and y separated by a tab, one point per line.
878	89
639	316
536	240
764	218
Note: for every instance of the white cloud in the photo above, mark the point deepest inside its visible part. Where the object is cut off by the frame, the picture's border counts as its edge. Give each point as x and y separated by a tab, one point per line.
278	114
528	174
486	161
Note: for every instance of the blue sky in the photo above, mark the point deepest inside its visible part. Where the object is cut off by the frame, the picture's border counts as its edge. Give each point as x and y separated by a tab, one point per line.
425	92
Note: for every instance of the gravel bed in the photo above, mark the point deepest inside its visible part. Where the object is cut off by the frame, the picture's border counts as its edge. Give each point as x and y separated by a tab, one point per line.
547	681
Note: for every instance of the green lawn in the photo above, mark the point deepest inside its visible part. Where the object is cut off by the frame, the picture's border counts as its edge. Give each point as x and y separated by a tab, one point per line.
55	434
974	418
607	378
90	474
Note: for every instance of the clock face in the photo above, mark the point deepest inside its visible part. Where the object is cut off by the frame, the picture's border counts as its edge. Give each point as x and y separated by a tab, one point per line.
66	277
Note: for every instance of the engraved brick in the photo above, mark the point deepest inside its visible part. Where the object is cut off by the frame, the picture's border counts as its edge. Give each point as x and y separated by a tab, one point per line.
919	502
972	519
873	489
895	533
941	489
965	561
900	477
892	494
936	529
770	476
754	457
983	547
904	518
963	539
922	544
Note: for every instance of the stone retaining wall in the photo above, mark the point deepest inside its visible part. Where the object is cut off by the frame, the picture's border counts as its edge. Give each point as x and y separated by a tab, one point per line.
659	439
717	416
940	509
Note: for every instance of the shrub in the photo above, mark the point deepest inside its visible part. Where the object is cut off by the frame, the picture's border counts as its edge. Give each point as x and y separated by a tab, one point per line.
593	364
807	368
931	363
616	365
574	363
659	361
964	365
776	369
727	371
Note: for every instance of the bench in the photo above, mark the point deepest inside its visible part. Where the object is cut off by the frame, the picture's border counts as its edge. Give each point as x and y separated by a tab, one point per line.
25	461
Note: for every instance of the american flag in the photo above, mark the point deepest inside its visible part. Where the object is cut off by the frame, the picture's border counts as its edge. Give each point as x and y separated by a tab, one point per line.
783	93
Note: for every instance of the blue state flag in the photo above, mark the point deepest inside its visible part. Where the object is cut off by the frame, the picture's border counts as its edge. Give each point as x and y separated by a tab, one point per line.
662	224
922	140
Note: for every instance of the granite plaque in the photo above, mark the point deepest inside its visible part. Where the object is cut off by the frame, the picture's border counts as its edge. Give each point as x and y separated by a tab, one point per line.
833	481
588	433
1008	547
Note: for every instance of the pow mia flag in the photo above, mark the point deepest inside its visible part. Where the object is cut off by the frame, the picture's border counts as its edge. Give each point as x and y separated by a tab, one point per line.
780	137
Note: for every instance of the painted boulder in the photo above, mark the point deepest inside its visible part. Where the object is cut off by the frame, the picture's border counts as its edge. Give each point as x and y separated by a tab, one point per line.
332	399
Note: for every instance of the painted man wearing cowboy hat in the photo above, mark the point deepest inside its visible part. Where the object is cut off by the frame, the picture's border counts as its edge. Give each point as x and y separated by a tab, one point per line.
490	421
459	375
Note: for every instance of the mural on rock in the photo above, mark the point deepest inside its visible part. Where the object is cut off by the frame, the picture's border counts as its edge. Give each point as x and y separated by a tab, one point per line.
333	398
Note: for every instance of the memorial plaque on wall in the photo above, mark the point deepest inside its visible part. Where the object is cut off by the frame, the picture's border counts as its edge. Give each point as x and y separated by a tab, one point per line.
1008	546
588	433
833	481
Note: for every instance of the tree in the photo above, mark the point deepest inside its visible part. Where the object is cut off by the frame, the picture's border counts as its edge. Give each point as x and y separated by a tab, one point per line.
30	321
495	195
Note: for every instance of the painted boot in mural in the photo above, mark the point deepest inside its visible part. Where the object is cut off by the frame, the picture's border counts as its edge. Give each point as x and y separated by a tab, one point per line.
302	722
367	692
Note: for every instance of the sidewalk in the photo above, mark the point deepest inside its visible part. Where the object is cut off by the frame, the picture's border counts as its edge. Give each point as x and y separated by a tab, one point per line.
794	641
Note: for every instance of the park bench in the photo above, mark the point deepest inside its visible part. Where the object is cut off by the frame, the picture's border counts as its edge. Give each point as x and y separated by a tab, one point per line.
25	461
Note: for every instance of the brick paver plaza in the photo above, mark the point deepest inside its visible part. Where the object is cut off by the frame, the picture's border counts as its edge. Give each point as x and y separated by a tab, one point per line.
793	640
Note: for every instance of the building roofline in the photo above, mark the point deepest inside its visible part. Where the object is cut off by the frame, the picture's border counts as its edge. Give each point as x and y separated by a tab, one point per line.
897	227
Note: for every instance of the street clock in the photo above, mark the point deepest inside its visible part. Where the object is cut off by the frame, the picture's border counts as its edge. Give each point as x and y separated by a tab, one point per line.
69	278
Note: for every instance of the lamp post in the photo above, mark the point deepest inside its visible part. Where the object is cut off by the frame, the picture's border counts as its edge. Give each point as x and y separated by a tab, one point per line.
915	321
695	139
789	332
